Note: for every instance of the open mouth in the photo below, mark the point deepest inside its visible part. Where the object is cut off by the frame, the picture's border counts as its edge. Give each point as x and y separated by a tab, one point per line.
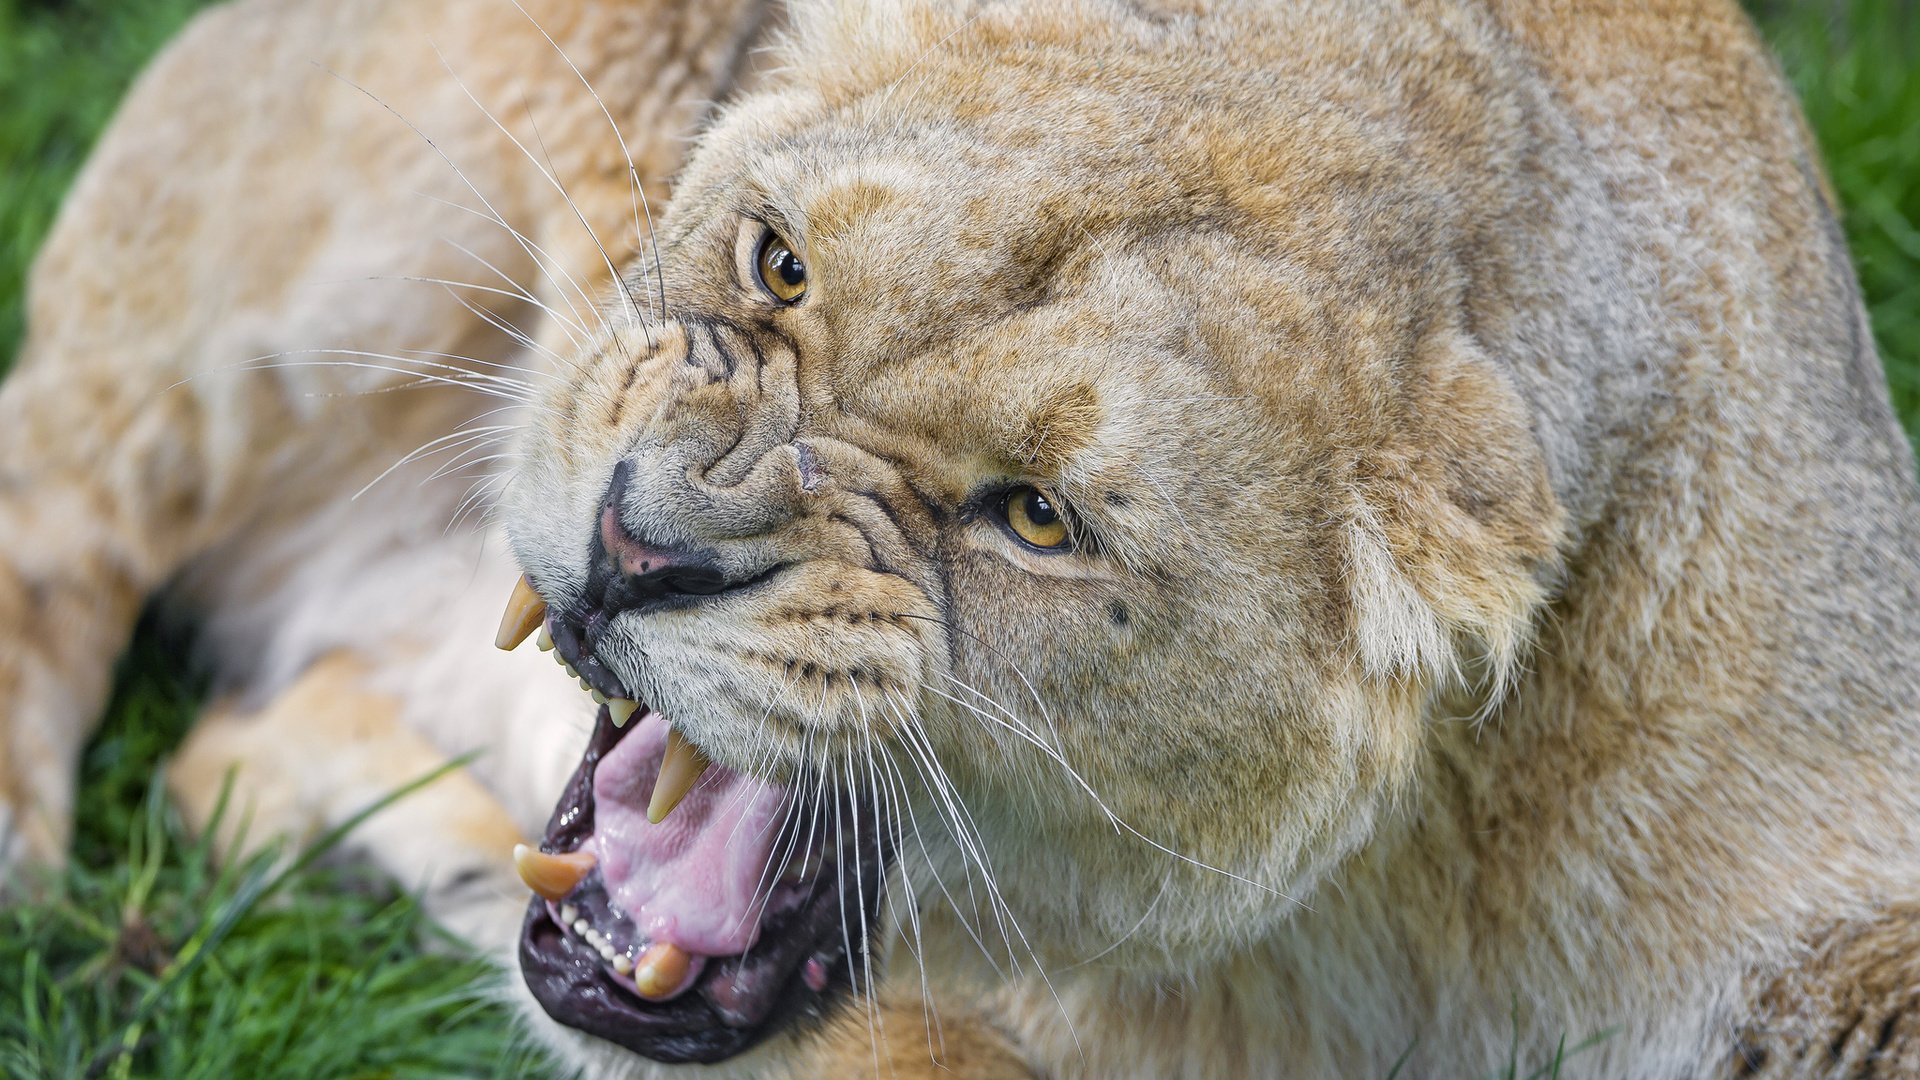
689	924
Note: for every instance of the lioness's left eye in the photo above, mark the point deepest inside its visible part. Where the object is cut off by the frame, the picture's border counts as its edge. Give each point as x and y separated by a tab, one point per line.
781	272
1032	517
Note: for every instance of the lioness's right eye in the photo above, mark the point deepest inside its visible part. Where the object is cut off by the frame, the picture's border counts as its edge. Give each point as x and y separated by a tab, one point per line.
1031	516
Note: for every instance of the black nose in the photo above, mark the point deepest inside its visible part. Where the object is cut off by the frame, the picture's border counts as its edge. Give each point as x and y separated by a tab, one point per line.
631	572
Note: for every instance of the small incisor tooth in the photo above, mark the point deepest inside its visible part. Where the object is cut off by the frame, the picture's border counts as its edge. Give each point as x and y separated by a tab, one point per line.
525	610
679	770
620	710
551	875
660	969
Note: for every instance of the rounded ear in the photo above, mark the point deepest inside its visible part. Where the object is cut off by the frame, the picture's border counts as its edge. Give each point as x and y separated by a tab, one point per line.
1452	543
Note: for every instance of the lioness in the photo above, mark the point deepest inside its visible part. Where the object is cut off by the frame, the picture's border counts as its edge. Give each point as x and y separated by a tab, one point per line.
1160	538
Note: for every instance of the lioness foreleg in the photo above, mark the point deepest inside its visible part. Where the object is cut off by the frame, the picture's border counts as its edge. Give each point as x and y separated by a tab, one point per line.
331	746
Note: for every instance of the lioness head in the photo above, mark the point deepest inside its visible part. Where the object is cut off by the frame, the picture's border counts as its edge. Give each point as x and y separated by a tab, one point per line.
1049	478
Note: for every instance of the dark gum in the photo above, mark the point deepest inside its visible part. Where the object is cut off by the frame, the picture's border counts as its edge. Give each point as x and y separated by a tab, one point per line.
736	1001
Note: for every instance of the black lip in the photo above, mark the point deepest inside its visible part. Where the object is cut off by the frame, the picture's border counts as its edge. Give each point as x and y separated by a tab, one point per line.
570	981
687	576
569	638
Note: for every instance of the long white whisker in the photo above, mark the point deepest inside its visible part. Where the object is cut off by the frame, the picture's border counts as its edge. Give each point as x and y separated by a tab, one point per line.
961	825
1032	691
638	313
477	381
443	443
406	356
477	495
1123	938
876	1026
542	259
636	190
574	331
1003	911
897	795
526	245
457	465
513	331
547	172
420	378
515	293
933	868
1112	818
1002	709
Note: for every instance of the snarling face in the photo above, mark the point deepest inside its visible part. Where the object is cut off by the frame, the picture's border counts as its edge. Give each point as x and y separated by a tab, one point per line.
994	487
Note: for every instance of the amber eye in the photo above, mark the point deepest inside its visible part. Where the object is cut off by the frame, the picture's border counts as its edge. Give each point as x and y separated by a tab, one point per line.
1032	517
781	271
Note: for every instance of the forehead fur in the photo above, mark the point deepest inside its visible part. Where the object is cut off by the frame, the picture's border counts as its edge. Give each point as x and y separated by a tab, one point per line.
1027	239
945	162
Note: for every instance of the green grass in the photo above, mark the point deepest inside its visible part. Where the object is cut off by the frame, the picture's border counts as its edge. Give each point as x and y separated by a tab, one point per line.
153	960
156	961
63	66
1857	68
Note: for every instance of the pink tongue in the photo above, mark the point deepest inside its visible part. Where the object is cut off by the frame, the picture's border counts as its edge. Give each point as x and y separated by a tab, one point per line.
699	879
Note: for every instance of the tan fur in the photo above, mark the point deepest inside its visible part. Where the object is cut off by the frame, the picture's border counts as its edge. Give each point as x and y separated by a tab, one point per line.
1502	626
134	447
1848	1009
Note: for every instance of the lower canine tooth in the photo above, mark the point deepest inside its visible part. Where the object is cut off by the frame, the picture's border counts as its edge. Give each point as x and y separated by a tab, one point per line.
661	969
551	875
620	710
679	770
525	610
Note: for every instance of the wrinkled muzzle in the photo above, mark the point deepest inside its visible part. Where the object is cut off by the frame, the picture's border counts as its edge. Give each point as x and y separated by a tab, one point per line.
752	603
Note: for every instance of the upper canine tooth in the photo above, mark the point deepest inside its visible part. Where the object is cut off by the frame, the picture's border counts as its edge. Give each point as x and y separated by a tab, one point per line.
525	610
679	769
620	710
551	875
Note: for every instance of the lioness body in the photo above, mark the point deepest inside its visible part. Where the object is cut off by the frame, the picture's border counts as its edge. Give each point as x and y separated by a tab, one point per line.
1511	516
